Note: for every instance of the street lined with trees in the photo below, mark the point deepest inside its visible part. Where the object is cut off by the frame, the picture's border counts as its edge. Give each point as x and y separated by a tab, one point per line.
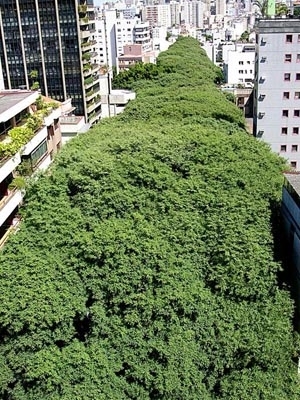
144	267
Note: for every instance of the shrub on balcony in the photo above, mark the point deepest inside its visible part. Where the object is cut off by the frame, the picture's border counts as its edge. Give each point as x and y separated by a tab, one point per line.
89	80
82	8
18	182
86	44
86	56
87	67
35	121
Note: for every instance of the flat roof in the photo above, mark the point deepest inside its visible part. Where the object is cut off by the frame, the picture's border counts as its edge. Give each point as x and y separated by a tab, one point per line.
10	98
294	180
278	25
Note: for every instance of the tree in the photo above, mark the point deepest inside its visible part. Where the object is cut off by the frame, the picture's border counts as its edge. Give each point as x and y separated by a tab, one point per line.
144	267
262	6
245	37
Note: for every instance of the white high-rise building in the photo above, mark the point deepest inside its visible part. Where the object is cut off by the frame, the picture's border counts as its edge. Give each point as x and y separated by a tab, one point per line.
277	87
174	13
157	15
192	13
238	63
221	7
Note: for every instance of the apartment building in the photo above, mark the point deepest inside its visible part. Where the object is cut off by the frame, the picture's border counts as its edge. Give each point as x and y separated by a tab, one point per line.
157	15
192	13
134	54
174	13
30	136
141	35
277	87
51	45
238	63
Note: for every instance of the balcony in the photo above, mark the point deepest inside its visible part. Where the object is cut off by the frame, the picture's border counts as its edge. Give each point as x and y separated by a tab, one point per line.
95	102
94	117
91	94
9	204
9	165
84	21
95	67
90	81
82	8
85	34
35	141
55	114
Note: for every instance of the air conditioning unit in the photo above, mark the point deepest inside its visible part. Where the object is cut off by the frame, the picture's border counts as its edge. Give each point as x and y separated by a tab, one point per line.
260	133
263	41
263	59
262	79
261	115
261	97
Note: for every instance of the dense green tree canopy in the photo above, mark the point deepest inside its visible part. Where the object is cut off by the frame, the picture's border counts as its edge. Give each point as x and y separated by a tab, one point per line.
144	267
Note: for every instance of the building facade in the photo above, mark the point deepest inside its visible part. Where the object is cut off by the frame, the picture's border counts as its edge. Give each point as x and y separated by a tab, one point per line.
277	87
51	45
238	63
30	136
291	235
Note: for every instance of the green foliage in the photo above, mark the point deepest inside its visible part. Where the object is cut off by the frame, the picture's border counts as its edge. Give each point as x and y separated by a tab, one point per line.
20	135
17	137
144	266
139	71
230	96
281	9
245	37
18	182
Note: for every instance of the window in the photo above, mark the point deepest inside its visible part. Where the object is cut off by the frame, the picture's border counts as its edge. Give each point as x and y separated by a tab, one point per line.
294	164
284	130
296	113
283	148
294	147
241	62
285	113
286	95
248	62
241	71
287	77
288	58
297	76
298	58
38	153
297	95
289	38
298	38
295	130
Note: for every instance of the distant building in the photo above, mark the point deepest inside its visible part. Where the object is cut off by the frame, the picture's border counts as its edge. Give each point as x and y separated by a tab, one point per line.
277	87
157	15
238	63
51	44
134	54
141	35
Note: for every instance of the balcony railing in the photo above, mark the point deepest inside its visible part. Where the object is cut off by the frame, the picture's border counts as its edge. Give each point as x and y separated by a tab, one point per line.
10	230
5	199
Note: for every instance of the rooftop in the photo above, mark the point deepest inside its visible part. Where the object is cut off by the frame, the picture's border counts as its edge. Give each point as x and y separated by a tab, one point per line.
278	25
9	98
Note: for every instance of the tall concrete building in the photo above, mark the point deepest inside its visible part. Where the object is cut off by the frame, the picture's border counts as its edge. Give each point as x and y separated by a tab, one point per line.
157	15
277	87
50	44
